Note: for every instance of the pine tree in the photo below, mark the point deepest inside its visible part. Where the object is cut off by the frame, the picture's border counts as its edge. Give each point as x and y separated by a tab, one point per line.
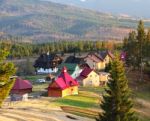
147	44
117	104
7	69
141	42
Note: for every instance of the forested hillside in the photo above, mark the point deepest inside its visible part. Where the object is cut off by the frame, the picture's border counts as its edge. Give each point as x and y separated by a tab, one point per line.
41	21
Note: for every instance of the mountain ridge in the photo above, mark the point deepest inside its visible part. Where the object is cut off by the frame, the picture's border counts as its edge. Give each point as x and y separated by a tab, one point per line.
43	21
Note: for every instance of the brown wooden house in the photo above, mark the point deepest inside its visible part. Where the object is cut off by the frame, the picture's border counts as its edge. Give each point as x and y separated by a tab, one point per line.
47	61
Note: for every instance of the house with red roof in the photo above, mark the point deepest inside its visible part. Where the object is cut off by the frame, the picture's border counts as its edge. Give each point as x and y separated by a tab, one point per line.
88	77
95	61
98	60
20	90
64	85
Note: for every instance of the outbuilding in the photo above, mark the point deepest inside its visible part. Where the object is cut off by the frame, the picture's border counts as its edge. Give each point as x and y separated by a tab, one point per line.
20	90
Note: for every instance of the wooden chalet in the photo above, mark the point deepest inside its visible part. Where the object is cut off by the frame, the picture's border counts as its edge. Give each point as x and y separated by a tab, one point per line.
47	62
64	85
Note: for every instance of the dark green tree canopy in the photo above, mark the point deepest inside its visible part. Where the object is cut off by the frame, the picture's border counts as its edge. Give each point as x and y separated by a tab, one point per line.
117	104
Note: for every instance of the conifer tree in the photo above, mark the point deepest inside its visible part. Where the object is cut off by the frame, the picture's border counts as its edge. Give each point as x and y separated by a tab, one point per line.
117	104
141	42
7	69
147	44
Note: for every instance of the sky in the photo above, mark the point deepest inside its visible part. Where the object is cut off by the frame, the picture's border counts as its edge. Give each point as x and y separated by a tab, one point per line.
135	8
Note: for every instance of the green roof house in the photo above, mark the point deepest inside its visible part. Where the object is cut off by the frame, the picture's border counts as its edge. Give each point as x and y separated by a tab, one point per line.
73	69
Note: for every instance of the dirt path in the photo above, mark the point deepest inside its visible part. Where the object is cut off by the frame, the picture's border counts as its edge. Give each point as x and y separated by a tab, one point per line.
36	115
144	107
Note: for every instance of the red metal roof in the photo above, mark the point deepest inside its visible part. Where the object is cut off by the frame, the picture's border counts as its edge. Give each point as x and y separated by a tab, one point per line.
95	57
64	80
21	84
86	72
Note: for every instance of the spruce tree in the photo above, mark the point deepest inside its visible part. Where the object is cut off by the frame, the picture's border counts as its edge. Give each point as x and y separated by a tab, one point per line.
147	44
135	46
141	38
7	69
117	104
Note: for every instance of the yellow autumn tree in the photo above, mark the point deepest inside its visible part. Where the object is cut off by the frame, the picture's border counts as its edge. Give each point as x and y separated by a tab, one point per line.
7	69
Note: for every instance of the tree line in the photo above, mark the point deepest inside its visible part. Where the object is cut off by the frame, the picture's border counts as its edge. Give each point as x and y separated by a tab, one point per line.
19	50
137	47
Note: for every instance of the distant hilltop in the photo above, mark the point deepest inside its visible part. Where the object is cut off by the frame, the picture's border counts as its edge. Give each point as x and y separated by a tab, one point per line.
42	21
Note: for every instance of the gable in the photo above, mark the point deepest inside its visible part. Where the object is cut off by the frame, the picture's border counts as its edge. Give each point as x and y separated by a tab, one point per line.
54	85
93	74
93	58
70	67
57	58
77	68
108	56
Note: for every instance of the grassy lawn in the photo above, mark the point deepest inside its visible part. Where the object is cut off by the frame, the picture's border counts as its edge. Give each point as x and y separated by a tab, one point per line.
81	100
143	91
38	88
34	78
90	97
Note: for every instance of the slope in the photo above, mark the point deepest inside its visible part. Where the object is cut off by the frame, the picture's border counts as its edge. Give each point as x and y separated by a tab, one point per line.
42	21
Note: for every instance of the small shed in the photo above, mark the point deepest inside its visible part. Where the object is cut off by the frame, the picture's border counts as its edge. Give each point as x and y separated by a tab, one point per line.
20	90
64	85
104	77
